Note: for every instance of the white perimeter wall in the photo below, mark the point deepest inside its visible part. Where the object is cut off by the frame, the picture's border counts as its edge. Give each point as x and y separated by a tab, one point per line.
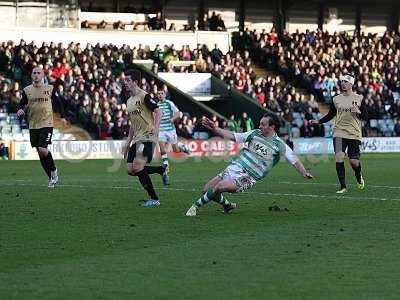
133	38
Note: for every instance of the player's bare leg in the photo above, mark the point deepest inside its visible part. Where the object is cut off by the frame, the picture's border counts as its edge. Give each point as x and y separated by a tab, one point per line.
213	190
341	172
163	152
46	159
164	149
225	186
211	184
137	168
356	165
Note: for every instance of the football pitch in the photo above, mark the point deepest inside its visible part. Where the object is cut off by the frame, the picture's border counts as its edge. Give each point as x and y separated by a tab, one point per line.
89	239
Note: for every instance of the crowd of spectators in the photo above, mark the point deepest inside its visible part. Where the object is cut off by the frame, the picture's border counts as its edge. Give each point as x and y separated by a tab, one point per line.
76	71
314	61
235	68
213	22
88	80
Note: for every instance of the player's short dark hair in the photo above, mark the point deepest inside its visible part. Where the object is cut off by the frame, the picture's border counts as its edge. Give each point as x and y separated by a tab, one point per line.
134	74
273	120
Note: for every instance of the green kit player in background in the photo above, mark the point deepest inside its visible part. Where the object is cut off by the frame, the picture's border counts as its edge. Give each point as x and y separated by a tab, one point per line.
167	134
261	152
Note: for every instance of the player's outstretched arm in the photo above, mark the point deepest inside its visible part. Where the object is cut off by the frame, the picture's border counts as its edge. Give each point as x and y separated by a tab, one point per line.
226	134
300	168
296	163
329	116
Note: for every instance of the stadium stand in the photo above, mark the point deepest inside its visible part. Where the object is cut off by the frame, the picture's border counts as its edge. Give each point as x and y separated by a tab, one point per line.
314	61
212	21
88	78
236	69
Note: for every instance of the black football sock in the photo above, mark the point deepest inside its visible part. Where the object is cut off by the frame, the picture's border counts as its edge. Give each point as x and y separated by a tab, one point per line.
145	181
50	162
341	173
43	161
151	170
357	172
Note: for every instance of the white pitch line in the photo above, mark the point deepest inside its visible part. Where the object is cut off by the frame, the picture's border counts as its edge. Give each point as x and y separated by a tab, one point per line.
198	190
334	184
183	180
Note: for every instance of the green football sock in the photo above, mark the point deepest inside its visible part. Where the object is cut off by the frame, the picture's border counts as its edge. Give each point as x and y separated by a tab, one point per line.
207	197
164	159
222	200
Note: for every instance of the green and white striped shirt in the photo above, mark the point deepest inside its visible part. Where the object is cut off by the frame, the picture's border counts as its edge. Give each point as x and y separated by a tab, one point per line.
260	154
168	109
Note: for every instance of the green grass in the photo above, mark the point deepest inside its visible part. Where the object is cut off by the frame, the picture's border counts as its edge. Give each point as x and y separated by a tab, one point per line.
89	239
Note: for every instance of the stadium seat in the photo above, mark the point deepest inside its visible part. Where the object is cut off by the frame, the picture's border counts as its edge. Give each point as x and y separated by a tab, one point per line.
328	130
295	132
15	129
6	129
373	123
385	130
296	115
381	123
299	122
390	124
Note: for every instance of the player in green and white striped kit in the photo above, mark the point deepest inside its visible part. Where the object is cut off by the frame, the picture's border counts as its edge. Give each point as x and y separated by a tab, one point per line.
262	151
167	134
